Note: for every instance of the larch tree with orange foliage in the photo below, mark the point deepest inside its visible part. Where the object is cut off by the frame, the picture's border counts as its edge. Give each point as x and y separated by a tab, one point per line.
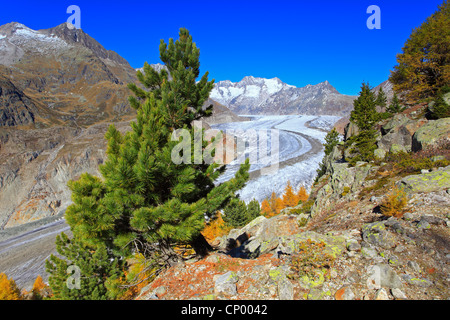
302	195
276	204
8	289
273	206
215	228
289	197
265	208
38	287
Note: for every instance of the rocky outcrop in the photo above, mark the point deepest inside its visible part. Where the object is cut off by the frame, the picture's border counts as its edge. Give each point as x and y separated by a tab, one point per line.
344	181
15	107
397	133
389	259
431	134
427	181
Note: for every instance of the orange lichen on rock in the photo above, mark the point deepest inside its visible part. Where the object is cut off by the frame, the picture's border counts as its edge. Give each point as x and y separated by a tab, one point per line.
197	279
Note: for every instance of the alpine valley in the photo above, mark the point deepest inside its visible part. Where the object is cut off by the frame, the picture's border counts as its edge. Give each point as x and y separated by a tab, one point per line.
353	210
59	91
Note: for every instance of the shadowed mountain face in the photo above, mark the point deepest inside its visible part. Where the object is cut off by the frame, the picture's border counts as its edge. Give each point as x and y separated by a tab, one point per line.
16	108
272	96
67	77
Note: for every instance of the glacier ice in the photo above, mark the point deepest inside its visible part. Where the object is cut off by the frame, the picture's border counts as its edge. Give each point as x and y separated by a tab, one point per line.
291	145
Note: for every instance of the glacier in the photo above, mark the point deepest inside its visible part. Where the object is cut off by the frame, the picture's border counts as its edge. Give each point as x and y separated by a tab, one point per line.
297	133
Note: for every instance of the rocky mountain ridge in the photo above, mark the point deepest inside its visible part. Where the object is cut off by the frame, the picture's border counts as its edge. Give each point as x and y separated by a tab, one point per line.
254	96
65	74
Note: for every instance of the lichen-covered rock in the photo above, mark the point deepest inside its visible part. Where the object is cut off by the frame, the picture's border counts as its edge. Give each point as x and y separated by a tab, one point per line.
399	131
262	235
427	182
375	233
334	244
285	290
344	180
431	133
382	275
350	130
397	148
379	153
226	283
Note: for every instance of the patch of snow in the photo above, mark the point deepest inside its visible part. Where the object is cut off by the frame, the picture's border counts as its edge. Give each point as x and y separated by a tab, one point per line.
36	41
252	91
273	85
234	92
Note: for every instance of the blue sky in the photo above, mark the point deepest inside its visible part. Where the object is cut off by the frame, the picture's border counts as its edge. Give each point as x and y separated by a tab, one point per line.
300	42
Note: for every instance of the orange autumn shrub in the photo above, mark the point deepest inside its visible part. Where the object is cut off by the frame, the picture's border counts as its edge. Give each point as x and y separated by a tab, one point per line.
394	203
215	228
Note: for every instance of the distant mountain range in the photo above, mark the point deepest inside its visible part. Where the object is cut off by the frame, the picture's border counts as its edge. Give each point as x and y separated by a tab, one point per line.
272	96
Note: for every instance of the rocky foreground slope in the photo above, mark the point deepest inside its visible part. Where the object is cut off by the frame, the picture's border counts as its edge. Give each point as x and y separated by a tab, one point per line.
339	244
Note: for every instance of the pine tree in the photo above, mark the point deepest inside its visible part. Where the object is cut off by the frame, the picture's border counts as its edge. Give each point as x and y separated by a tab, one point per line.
97	270
395	106
381	98
145	202
423	65
364	113
439	108
331	140
238	213
253	210
365	116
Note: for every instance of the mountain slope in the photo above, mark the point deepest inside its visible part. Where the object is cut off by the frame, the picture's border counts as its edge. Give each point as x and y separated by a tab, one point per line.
351	240
272	96
59	90
67	75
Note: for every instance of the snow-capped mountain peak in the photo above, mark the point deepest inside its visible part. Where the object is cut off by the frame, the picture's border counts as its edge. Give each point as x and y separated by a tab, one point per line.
253	95
249	88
